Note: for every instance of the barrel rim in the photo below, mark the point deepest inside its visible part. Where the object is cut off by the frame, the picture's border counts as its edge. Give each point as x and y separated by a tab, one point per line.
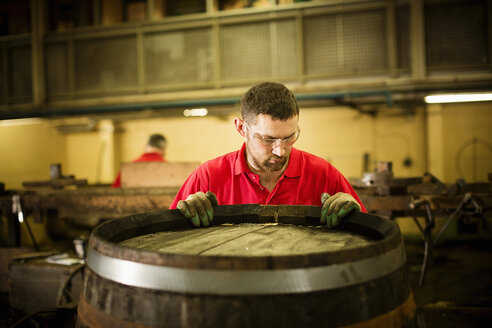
104	237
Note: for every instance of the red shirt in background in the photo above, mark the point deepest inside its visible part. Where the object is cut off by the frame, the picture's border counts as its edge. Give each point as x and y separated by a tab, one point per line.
231	180
146	157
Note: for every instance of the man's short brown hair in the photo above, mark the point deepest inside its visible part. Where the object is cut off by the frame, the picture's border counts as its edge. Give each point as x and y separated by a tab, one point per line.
157	141
269	98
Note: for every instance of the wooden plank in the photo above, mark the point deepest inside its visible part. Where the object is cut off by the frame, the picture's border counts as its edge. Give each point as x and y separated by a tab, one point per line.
394	203
278	240
191	242
57	183
248	240
93	202
156	174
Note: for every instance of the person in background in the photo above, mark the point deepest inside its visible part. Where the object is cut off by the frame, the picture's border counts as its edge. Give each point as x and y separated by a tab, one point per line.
267	169
154	151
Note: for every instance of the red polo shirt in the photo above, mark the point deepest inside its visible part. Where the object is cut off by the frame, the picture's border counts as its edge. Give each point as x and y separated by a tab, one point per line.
145	157
230	179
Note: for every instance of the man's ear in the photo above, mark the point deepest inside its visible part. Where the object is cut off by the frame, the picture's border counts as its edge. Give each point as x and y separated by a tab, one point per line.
240	126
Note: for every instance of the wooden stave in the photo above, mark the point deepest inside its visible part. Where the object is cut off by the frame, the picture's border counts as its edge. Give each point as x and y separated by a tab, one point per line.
332	308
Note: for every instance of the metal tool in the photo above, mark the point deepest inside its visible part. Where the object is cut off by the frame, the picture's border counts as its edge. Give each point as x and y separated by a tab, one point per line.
426	233
466	199
17	209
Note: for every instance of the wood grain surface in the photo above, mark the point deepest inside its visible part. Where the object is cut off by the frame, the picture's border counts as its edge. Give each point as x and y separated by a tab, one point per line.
248	240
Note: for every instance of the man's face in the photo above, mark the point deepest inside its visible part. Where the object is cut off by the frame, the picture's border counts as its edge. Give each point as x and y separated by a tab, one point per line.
269	142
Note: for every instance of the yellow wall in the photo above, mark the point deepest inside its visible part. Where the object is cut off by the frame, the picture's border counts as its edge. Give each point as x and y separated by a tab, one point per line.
342	136
90	155
27	148
461	143
188	139
431	138
338	134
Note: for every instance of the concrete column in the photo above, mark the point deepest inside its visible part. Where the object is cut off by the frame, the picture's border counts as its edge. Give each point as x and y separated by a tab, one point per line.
106	165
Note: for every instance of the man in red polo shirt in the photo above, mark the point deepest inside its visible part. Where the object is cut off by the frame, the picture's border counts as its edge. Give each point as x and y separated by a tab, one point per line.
267	169
154	151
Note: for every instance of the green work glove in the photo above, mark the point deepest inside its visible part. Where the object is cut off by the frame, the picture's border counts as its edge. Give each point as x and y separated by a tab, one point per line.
336	207
198	208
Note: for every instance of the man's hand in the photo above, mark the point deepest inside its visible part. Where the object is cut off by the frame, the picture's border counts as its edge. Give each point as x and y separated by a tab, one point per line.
336	207
198	208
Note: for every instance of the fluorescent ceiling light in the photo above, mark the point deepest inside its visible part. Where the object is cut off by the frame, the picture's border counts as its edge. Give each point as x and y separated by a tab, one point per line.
195	112
463	97
20	121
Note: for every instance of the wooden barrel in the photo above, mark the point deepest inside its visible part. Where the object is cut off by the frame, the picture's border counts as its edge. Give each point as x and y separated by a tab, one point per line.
255	266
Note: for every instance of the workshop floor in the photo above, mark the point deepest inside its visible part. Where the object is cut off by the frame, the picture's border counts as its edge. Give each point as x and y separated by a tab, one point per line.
457	290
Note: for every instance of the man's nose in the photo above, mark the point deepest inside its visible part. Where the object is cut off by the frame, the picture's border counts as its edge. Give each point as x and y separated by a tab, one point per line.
278	149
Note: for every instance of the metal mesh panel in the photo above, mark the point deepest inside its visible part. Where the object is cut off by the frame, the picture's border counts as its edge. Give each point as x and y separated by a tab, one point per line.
321	45
179	57
403	37
364	41
105	64
286	57
346	43
20	74
456	35
56	68
246	51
